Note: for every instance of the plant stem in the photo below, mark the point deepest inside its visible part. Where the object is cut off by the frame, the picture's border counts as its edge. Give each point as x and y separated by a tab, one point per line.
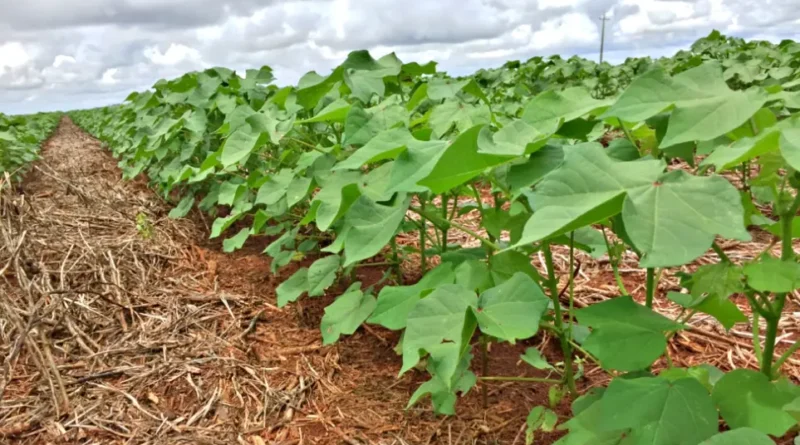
423	231
627	133
792	349
651	287
614	265
571	283
484	370
757	338
519	379
720	253
435	218
566	348
396	260
769	346
444	229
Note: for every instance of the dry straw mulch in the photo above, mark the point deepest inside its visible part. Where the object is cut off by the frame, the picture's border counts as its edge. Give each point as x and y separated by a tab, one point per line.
119	325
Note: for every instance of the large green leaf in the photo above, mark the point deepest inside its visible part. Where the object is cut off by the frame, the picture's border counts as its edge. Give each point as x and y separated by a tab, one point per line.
321	274
291	289
675	219
740	436
626	336
395	302
338	193
385	145
515	139
239	145
443	389
659	412
587	188
371	227
346	314
438	320
547	111
704	106
769	274
362	125
747	398
512	310
413	165
461	162
460	114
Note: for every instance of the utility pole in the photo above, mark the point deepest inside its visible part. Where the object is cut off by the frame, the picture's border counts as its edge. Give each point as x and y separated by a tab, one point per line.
603	19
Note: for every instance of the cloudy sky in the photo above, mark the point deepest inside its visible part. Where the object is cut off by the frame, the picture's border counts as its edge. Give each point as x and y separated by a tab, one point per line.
60	54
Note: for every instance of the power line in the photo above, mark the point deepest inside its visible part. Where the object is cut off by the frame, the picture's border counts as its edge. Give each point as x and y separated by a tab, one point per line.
603	19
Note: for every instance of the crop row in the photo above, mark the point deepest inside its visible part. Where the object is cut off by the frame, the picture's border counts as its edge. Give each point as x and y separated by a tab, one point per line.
600	158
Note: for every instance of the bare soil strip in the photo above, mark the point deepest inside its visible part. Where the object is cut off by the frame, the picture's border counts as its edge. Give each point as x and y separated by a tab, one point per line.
120	325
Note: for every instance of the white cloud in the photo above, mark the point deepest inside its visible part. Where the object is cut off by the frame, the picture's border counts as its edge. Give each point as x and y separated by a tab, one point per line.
175	54
60	54
108	76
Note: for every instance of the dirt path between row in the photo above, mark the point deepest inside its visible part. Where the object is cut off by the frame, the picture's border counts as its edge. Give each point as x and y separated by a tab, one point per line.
120	325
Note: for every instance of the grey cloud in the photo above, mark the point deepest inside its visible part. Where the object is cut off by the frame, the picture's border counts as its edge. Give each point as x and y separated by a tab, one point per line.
142	41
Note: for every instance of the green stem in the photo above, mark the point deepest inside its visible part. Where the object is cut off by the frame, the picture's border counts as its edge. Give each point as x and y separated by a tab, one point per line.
519	379
436	219
444	229
627	133
769	346
720	253
614	266
396	260
651	287
566	348
757	338
792	349
423	231
571	282
484	370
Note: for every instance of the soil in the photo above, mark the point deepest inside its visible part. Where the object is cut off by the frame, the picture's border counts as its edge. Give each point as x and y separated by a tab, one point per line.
124	326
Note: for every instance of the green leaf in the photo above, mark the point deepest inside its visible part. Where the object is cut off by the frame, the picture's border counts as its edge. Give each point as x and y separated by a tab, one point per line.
445	88
675	220
589	187
534	358
439	317
346	314
337	194
239	145
740	436
532	170
321	274
297	189
291	289
363	125
372	226
769	274
747	398
704	106
335	111
413	165
790	147
625	336
460	163
506	264
659	412
474	275
512	310
237	241
547	111
461	114
443	389
275	188
395	302
515	139
387	144
183	207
